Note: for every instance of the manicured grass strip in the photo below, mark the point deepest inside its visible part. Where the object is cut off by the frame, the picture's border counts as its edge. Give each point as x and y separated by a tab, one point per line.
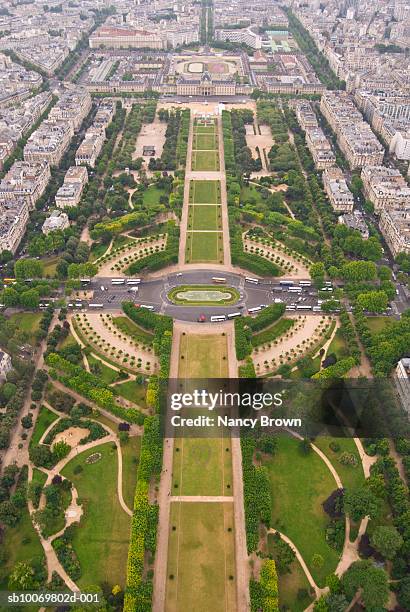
130	458
299	485
204	142
133	392
205	192
377	324
204	247
44	420
203	217
27	322
201	558
101	540
133	330
274	331
351	475
202	466
194	352
205	161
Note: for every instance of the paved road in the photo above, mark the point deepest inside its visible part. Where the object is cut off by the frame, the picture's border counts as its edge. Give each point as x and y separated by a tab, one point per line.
154	293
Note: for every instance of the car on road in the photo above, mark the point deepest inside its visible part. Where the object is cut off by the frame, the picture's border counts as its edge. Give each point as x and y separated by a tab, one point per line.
201	318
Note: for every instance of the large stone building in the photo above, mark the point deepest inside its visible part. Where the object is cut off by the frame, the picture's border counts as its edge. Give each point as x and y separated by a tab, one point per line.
395	227
385	188
27	180
339	194
116	37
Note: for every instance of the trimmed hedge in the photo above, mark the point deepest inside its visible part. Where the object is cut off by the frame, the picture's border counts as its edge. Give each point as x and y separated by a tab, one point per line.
159	260
257	498
266	317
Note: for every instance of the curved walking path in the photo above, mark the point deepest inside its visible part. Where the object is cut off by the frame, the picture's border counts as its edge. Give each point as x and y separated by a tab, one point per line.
318	591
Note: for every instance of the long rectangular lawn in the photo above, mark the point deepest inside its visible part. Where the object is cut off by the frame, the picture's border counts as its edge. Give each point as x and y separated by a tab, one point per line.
206	217
205	192
201	558
205	160
204	247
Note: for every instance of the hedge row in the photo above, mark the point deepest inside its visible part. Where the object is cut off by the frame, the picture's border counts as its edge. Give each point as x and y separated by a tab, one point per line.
162	259
182	141
257	498
138	594
254	263
265	594
90	386
266	317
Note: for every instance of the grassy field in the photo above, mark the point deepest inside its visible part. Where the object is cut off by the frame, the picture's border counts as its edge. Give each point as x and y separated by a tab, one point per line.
274	331
249	194
194	355
97	250
290	583
44	420
204	247
101	540
130	458
151	195
68	341
205	192
377	324
201	558
206	291
204	217
49	266
299	485
108	375
202	467
27	322
338	346
205	142
133	392
205	161
133	330
352	477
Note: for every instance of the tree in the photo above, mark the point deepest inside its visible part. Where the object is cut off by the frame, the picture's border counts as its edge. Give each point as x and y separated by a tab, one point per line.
387	540
22	578
317	560
372	581
9	513
373	301
28	268
403	593
361	503
30	299
61	450
10	297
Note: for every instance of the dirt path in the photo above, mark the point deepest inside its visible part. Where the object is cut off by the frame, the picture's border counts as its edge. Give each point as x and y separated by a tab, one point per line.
184	218
224	200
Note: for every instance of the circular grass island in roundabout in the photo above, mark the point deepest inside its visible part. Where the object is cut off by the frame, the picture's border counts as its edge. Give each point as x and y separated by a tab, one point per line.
203	295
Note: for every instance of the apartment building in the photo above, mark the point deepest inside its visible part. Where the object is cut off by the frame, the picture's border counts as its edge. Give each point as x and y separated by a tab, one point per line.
27	180
395	227
58	220
320	148
339	194
305	114
125	37
90	148
49	142
73	106
385	188
354	136
355	221
13	223
70	192
402	382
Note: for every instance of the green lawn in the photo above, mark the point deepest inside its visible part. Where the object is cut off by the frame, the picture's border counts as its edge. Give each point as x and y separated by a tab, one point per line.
97	250
274	331
20	543
299	485
204	247
68	341
44	420
377	324
133	392
205	160
201	558
204	129
202	466
351	477
151	195
203	217
49	266
290	583
205	192
203	295
130	457
205	142
196	349
132	329
251	194
27	322
39	477
101	540
338	346
108	375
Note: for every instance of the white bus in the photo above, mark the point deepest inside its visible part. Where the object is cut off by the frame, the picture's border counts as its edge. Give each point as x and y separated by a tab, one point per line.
117	281
256	309
232	315
305	283
96	305
303	307
248	279
146	306
78	304
317	309
217	318
328	283
220	280
133	281
290	307
295	289
85	281
286	283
